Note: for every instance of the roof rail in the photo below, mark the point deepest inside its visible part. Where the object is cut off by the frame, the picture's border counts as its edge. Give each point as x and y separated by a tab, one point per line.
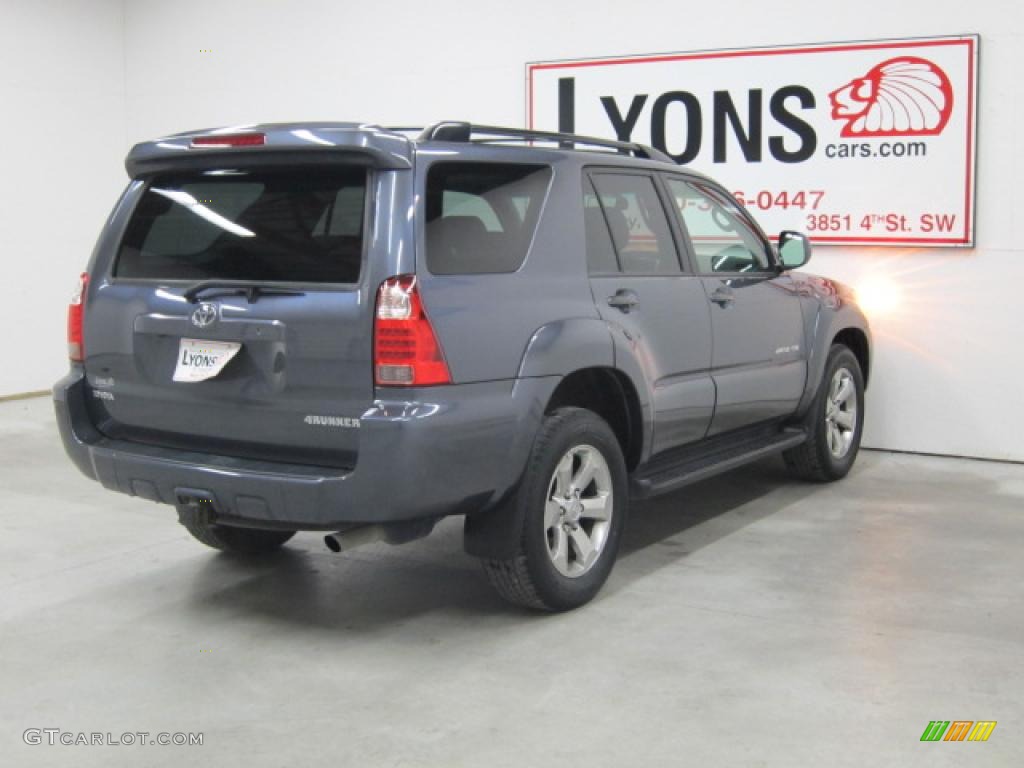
450	130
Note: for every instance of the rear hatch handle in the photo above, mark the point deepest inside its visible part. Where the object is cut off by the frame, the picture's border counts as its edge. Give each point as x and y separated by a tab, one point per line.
251	292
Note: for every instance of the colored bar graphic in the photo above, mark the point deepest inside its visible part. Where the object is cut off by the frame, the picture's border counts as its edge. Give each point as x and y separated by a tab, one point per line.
935	730
958	730
982	730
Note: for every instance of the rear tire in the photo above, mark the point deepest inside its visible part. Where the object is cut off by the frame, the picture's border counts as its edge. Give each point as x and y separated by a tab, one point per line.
834	422
572	501
242	541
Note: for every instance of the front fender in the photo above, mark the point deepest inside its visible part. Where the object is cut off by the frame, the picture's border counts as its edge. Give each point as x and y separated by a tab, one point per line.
828	308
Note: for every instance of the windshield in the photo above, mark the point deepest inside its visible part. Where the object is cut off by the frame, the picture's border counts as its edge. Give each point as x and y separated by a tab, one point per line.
296	225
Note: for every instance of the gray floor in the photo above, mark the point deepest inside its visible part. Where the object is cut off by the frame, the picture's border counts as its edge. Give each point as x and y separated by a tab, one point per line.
751	621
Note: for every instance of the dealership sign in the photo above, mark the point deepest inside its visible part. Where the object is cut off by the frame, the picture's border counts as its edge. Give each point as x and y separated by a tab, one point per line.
870	142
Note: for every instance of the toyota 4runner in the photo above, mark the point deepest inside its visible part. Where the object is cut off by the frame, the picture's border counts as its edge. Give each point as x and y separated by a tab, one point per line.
344	328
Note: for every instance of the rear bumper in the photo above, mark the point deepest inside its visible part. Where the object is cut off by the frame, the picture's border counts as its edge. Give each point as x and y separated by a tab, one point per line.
445	450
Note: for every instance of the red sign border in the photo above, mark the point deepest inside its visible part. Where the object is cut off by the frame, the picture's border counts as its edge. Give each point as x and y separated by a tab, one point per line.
971	41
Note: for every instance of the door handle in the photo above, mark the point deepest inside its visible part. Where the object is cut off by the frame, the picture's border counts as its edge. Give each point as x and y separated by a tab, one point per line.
723	296
624	300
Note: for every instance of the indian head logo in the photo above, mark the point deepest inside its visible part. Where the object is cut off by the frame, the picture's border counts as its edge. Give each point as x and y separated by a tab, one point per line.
905	96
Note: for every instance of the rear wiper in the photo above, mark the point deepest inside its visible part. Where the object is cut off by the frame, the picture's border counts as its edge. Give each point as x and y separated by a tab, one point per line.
251	292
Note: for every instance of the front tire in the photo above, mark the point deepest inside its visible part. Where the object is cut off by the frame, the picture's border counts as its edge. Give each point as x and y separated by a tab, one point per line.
834	422
572	501
242	541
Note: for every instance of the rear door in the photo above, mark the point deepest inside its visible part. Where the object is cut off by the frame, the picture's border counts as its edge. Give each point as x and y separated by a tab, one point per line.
641	288
268	263
758	362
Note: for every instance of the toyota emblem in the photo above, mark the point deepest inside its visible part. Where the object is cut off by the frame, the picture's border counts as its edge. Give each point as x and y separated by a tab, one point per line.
204	315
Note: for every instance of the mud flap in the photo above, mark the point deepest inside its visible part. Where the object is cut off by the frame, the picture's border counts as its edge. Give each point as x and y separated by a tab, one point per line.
494	533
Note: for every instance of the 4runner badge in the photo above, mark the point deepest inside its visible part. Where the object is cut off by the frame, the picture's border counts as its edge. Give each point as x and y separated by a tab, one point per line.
332	421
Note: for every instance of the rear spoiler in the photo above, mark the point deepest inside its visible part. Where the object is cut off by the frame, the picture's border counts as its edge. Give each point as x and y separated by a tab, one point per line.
272	145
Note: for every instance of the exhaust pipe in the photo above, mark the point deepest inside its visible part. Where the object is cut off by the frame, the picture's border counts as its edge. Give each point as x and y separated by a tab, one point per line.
350	538
392	533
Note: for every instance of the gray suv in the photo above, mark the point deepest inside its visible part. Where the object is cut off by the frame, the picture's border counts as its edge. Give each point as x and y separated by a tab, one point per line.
345	328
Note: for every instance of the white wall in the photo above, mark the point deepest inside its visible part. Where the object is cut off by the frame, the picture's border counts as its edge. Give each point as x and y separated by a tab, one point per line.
948	359
62	141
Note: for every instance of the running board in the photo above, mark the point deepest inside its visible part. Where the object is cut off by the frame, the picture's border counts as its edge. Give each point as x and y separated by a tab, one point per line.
668	473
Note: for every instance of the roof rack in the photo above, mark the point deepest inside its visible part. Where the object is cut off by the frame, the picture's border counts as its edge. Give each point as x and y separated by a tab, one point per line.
465	132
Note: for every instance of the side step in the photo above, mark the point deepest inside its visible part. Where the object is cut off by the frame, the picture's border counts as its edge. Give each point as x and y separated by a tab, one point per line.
691	464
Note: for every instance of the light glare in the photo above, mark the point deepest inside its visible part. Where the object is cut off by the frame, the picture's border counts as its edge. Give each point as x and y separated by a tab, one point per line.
878	296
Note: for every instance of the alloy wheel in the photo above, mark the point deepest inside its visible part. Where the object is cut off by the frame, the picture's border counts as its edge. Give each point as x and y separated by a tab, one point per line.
578	510
841	413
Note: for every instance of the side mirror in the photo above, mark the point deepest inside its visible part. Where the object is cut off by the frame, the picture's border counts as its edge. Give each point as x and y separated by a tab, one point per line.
794	249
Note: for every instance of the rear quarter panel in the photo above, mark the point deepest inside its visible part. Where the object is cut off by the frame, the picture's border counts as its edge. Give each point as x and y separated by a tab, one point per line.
485	322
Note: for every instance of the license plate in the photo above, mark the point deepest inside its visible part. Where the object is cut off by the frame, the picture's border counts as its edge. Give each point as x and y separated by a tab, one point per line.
199	360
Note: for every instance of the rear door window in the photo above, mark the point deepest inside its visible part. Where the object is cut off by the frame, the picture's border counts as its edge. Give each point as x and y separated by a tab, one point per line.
481	217
275	226
638	224
601	259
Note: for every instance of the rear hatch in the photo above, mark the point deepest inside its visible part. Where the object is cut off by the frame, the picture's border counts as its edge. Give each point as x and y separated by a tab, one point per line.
258	271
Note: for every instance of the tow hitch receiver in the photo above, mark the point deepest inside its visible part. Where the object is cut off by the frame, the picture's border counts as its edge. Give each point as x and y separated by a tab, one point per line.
197	500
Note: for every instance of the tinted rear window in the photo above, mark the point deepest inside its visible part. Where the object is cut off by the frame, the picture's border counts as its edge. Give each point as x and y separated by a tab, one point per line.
481	216
638	224
278	226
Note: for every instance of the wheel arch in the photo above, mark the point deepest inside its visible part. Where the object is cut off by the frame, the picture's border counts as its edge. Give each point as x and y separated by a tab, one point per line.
841	323
492	532
597	371
610	394
583	354
857	341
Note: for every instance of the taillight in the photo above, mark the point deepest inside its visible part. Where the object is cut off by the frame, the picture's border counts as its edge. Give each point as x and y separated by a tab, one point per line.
231	140
406	352
76	349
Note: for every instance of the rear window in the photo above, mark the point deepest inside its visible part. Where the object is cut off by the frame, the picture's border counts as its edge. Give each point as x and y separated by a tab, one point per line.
277	226
481	216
